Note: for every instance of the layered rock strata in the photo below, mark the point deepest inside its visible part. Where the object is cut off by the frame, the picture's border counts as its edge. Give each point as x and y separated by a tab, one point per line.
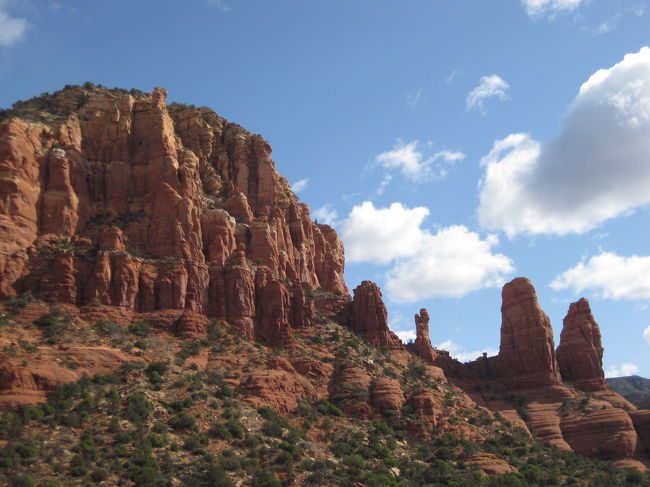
369	317
580	353
527	353
422	344
127	201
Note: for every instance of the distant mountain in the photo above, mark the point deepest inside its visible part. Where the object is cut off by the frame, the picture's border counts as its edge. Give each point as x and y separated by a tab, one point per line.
634	388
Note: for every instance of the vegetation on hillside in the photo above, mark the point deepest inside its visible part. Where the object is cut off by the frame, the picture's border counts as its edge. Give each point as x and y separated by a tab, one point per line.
163	422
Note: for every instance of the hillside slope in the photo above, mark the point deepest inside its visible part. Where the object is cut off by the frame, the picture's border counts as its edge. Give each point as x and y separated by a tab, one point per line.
152	255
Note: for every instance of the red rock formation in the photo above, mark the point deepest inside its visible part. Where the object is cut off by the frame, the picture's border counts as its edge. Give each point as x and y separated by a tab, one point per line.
580	354
273	309
350	388
422	344
641	421
527	354
23	382
133	203
370	318
279	390
313	368
428	409
608	434
386	395
490	464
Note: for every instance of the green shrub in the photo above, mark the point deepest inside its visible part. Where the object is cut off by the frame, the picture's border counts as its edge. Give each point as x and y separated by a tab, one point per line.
156	440
235	428
155	372
109	328
264	478
16	303
20	481
139	329
323	406
208	474
220	430
188	349
182	421
138	406
195	442
98	475
55	323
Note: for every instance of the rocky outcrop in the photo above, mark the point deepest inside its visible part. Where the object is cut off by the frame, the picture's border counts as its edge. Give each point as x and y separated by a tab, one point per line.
427	408
28	382
490	464
279	390
422	344
386	395
126	201
607	433
580	353
370	318
350	388
527	353
641	421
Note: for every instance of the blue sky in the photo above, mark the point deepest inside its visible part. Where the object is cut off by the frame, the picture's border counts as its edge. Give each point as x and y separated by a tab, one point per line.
454	145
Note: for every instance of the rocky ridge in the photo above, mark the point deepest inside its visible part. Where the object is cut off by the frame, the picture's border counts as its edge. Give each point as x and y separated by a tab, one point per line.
125	210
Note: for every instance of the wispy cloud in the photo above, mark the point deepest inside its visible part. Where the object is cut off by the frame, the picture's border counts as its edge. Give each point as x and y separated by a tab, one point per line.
453	75
383	185
413	99
646	335
220	4
550	9
608	25
413	163
613	22
12	29
300	185
492	86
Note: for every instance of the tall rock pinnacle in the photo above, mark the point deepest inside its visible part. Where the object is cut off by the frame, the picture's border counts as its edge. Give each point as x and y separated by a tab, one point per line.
370	318
527	353
422	344
580	354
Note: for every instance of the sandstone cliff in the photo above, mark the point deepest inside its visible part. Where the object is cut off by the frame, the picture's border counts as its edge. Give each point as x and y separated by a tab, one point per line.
127	201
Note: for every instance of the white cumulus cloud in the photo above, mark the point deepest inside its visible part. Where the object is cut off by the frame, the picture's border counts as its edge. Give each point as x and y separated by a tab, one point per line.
382	235
326	214
646	335
550	8
12	29
300	185
597	168
462	355
610	275
624	370
451	262
492	86
412	162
